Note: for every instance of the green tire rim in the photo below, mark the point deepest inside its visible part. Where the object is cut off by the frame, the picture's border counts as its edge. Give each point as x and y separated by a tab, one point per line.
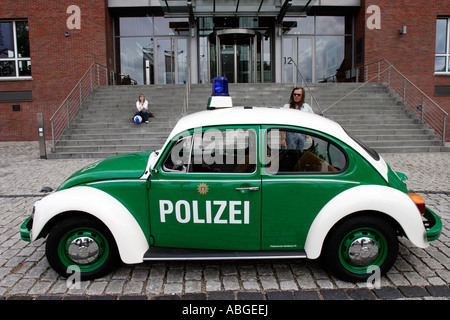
97	239
363	233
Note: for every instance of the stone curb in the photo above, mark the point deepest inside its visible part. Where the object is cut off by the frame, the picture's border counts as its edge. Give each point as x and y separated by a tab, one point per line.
386	293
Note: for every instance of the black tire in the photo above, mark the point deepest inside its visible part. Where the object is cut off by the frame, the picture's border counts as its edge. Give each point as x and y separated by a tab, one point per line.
94	251
359	246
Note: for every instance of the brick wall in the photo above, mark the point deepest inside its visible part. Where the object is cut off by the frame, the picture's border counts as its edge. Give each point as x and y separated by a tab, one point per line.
413	53
57	61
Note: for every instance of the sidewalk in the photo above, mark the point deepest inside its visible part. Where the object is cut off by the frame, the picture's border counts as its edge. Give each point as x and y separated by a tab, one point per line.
25	273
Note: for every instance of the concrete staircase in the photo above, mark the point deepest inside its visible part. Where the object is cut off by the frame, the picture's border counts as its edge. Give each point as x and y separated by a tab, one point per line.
104	128
378	117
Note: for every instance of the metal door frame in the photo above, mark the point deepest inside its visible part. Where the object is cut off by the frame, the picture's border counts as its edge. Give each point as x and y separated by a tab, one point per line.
174	46
294	56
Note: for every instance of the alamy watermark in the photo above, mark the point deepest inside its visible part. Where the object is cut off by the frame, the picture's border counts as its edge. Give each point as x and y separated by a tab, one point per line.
73	282
374	281
226	147
374	20
74	20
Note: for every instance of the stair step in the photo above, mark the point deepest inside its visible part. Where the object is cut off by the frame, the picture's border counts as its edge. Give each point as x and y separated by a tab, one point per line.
103	127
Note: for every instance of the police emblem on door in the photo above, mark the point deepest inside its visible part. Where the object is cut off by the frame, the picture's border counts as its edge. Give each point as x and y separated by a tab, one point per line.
202	188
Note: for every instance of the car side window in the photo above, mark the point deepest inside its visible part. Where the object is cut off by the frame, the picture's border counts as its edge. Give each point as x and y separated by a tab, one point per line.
224	151
214	151
296	152
178	157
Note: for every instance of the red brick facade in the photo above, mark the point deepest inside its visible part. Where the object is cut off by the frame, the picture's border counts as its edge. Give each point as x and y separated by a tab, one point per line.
413	53
57	61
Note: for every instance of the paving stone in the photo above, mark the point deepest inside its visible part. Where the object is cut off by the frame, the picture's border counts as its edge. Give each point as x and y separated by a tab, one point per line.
288	285
269	282
115	287
224	295
213	285
49	298
25	272
280	295
192	286
154	286
361	294
175	276
133	287
231	283
195	296
133	298
306	295
41	287
173	288
97	288
439	291
413	291
388	293
250	296
337	294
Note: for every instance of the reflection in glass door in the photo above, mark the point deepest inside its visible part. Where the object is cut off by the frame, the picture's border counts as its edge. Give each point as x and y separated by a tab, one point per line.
245	62
236	62
171	58
227	55
182	61
305	59
165	65
298	52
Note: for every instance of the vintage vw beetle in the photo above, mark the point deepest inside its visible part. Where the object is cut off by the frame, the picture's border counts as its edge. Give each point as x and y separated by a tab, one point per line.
223	186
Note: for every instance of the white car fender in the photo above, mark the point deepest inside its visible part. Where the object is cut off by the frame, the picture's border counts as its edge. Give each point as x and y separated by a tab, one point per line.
130	239
389	201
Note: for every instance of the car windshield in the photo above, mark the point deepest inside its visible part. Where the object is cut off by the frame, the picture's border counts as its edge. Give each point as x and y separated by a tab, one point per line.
368	149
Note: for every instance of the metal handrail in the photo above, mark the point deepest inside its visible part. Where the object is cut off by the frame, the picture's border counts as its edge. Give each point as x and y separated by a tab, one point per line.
382	71
184	111
96	75
313	97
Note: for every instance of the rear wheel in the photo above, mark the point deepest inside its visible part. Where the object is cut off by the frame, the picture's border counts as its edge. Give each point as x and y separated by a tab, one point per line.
82	245
359	246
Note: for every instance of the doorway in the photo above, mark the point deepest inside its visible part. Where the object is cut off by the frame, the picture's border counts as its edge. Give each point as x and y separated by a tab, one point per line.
236	55
171	61
298	59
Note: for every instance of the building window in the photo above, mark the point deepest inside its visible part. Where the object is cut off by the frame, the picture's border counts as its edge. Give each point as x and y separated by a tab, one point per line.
152	49
14	50
442	57
319	46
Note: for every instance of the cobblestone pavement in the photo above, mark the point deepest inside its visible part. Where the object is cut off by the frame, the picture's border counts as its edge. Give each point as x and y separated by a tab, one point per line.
26	274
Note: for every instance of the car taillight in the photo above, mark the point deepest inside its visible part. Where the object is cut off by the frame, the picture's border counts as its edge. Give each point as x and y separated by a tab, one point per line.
418	200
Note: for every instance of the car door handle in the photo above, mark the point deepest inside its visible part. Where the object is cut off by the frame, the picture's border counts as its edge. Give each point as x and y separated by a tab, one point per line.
247	189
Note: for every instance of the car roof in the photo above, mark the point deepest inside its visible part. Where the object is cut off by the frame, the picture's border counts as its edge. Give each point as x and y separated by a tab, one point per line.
257	116
272	116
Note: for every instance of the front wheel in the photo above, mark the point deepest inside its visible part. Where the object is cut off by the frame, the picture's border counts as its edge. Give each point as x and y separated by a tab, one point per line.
81	245
359	246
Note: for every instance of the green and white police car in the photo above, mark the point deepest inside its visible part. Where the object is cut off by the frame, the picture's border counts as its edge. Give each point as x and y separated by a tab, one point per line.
224	186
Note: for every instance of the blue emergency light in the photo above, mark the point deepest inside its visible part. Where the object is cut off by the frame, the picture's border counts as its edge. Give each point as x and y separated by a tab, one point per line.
219	97
220	86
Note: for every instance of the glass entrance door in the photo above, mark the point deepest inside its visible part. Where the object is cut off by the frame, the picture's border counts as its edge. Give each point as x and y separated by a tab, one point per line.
305	59
171	60
235	54
298	59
